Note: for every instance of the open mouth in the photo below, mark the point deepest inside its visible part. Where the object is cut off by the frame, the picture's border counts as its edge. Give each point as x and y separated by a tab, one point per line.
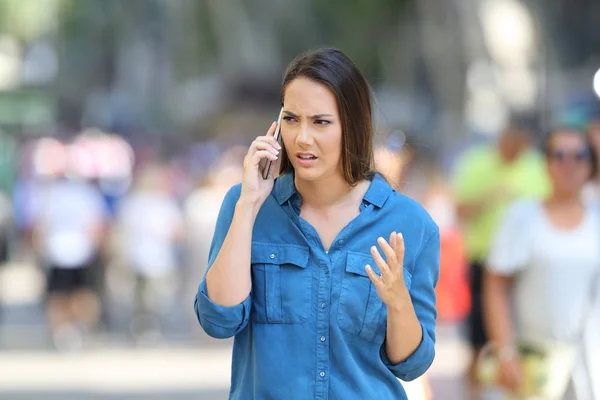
307	157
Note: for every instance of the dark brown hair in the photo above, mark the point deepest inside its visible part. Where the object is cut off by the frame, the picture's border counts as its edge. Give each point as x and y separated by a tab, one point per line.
332	68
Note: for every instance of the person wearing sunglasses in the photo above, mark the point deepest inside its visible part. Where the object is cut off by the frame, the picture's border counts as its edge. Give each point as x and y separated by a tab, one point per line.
548	252
486	179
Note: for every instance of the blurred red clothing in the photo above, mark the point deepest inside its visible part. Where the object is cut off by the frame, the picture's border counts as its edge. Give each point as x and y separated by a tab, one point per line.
453	295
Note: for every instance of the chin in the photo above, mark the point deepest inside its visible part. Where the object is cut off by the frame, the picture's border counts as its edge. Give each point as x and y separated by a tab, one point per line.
308	174
315	174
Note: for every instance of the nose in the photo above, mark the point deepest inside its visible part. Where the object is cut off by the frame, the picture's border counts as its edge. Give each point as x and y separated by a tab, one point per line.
304	137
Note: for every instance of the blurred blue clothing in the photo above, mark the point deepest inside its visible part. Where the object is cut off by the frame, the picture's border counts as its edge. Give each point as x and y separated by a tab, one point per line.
313	325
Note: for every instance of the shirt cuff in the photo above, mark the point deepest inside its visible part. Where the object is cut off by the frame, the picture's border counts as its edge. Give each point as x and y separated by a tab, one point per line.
218	320
418	362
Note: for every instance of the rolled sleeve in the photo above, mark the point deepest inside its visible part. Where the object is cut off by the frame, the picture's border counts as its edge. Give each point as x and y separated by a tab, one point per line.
415	365
426	272
219	321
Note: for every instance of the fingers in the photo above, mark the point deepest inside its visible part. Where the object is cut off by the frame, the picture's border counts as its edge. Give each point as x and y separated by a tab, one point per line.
510	382
272	129
260	154
389	252
399	248
383	267
515	379
265	145
510	375
376	279
394	253
267	139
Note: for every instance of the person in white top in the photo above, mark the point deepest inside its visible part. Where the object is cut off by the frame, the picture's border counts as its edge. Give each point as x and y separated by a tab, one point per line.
68	228
549	253
150	223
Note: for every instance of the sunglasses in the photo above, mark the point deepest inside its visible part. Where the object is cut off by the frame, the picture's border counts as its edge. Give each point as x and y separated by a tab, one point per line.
582	155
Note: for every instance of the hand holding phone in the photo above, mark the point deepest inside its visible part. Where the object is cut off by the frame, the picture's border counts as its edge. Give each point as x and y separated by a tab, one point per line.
268	164
263	151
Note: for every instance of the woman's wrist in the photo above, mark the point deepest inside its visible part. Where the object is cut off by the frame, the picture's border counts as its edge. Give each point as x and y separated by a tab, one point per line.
247	206
506	352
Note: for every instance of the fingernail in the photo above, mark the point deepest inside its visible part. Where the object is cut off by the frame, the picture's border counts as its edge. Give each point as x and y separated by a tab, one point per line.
274	150
373	248
400	235
277	146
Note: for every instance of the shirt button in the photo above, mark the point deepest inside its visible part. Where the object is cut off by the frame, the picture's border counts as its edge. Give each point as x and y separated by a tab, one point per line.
323	305
322	374
272	256
323	338
341	241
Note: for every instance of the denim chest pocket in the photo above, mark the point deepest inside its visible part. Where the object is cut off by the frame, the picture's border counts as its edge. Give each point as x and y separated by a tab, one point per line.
361	311
281	283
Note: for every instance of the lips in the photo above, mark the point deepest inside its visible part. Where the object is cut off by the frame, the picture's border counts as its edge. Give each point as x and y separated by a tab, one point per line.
305	160
306	156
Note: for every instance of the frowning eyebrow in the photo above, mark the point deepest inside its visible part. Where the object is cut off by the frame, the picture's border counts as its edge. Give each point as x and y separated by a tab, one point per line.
315	116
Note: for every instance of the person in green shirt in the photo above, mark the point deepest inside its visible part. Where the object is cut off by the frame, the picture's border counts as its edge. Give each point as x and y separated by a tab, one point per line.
486	180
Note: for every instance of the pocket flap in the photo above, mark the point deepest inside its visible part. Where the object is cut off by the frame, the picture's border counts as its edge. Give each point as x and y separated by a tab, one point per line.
275	253
356	263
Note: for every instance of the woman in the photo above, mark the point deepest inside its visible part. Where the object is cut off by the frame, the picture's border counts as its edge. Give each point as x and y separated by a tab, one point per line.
549	251
294	272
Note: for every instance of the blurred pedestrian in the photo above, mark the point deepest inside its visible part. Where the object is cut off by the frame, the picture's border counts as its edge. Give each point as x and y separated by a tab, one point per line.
151	230
69	225
548	251
486	180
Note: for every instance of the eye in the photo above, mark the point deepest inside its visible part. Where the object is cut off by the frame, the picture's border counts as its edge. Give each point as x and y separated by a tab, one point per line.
322	122
287	118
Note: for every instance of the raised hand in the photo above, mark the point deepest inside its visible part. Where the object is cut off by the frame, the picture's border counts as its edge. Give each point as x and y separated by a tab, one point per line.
255	189
390	285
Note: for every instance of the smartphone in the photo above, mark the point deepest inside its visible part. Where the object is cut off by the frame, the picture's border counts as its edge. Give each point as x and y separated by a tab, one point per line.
267	167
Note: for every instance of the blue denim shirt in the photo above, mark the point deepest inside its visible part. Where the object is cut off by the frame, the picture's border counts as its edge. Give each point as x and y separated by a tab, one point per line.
313	326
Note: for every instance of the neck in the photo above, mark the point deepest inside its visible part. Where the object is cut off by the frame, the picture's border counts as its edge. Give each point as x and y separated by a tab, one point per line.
564	198
323	193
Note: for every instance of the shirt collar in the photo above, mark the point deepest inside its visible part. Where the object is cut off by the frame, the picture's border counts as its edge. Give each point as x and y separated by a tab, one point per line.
379	191
285	187
377	194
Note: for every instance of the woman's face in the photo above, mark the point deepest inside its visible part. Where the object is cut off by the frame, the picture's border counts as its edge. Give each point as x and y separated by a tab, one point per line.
311	130
569	162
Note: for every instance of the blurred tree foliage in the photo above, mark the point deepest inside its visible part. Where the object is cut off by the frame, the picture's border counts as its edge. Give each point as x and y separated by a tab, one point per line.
237	40
146	60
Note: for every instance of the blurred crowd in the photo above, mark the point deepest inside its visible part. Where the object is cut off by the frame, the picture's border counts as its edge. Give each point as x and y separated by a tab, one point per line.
119	234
